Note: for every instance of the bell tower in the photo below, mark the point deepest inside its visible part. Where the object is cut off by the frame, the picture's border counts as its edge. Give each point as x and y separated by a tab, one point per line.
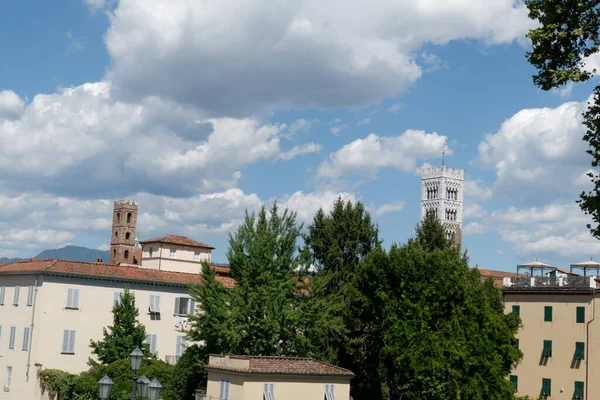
123	248
442	194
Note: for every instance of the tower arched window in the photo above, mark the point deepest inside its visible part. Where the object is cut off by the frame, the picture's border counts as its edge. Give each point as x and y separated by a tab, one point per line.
126	253
118	217
127	235
115	254
116	235
128	217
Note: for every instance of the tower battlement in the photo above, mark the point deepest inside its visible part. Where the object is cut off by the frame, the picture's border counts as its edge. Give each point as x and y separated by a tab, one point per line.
442	170
124	202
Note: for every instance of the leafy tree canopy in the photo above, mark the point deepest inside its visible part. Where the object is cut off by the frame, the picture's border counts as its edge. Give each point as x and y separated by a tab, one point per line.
125	334
567	35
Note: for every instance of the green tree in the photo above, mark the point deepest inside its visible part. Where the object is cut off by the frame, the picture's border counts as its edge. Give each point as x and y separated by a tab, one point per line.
125	334
567	35
435	331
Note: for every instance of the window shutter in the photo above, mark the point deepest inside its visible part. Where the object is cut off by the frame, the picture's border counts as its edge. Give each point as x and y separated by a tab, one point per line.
30	296
548	313
177	300
226	390
69	298
76	298
190	307
546	387
16	299
26	339
222	390
2	293
157	303
547	351
578	390
516	310
580	315
72	342
272	390
153	345
65	344
516	344
7	379
579	350
178	346
514	379
11	341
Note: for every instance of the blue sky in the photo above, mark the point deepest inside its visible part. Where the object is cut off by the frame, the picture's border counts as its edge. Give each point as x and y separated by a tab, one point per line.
202	110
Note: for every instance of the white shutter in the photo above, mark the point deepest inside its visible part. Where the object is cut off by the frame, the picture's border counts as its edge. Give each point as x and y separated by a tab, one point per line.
69	298
26	339
76	298
222	390
7	379
2	293
272	390
157	303
329	391
178	346
190	307
30	296
11	340
65	343
226	390
72	342
153	344
16	299
177	300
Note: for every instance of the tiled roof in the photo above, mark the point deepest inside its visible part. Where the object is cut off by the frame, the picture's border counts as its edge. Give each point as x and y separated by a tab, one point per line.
107	271
181	240
495	273
284	366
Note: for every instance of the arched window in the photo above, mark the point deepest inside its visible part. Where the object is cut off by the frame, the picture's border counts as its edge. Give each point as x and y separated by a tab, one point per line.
128	217
118	217
126	253
127	235
115	253
116	234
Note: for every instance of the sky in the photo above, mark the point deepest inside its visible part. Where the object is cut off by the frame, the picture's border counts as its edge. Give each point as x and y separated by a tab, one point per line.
202	110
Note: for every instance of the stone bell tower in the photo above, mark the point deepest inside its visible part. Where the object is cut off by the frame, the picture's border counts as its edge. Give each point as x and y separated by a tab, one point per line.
442	194
124	248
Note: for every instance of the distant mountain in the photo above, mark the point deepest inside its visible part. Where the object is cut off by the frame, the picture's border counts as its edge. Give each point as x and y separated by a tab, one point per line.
73	253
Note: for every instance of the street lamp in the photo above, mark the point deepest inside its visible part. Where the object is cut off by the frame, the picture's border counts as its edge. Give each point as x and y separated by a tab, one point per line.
142	387
104	387
154	389
136	362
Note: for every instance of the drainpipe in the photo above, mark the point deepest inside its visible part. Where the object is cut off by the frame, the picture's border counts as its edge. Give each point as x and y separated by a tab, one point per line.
587	346
35	289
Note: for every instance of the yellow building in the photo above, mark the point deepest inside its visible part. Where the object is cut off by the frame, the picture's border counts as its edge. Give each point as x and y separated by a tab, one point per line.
232	377
560	334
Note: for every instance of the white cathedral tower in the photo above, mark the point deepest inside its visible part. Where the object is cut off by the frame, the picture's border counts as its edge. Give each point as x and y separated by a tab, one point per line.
442	195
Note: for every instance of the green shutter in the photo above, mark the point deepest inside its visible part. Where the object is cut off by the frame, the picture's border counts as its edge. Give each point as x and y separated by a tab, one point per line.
548	313
516	344
579	350
578	394
546	387
580	315
516	310
514	379
547	351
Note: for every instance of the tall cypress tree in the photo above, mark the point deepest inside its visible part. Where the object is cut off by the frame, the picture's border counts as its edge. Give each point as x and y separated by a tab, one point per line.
125	334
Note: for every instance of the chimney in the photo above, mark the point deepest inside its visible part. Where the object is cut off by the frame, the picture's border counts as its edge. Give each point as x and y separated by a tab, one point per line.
98	261
31	258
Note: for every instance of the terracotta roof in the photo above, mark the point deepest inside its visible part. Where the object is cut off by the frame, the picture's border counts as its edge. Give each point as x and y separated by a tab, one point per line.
181	240
107	271
283	365
566	271
494	273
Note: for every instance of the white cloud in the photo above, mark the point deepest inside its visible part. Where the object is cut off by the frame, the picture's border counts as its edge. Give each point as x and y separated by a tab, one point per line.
319	54
75	43
103	247
394	108
296	151
500	252
477	189
363	122
307	204
394	206
11	105
473	211
367	156
538	153
337	126
475	228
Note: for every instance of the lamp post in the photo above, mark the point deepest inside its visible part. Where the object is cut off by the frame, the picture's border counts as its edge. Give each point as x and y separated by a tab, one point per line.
142	387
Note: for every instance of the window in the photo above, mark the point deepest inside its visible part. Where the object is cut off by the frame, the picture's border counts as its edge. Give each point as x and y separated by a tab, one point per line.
196	256
547	350
68	344
128	217
546	387
16	299
116	235
116	297
115	254
516	344
26	339
118	217
579	351
172	253
11	339
516	310
127	235
154	306
180	346
30	293
514	379
578	393
580	315
7	379
126	253
329	391
150	251
72	299
548	313
268	391
184	306
2	293
151	340
224	391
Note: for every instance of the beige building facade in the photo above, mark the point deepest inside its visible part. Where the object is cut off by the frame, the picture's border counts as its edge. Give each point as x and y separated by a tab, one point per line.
50	310
559	337
175	253
232	377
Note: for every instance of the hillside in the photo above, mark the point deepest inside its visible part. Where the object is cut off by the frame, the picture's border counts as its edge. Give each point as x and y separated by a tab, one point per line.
75	253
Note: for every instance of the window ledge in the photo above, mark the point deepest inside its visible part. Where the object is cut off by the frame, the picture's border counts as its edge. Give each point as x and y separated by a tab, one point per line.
71	308
7	389
67	354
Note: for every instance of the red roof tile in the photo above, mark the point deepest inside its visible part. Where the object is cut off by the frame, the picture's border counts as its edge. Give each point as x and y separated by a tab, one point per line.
495	273
284	365
181	240
107	271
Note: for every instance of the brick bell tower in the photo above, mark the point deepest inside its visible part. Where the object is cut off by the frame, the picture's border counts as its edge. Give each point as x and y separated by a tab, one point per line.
124	246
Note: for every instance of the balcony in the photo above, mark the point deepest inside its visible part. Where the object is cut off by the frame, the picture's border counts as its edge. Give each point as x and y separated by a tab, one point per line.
545	282
171	360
